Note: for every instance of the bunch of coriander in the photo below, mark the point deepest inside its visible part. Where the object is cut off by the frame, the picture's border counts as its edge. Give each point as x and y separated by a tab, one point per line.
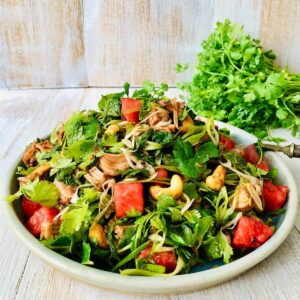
236	81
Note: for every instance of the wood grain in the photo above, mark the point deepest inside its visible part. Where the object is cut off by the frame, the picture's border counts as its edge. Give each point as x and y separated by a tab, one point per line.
141	39
25	115
41	44
279	30
105	43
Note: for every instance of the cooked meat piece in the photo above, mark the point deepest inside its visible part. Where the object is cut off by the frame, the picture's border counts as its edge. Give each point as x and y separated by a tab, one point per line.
66	192
158	114
29	156
96	177
112	164
173	105
44	146
167	128
38	172
49	229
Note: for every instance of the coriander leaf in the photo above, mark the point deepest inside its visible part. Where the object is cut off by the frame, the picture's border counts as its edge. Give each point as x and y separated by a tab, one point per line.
72	220
186	160
43	192
110	106
165	201
81	125
219	247
61	244
207	151
79	149
191	190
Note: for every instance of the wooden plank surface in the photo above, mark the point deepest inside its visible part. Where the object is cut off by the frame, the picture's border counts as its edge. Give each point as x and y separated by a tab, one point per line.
136	40
77	43
25	115
41	43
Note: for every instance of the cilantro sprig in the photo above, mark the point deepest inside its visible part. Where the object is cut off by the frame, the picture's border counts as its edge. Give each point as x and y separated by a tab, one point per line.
238	82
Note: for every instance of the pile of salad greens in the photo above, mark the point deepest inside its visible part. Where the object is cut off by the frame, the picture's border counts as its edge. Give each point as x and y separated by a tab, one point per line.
141	187
236	81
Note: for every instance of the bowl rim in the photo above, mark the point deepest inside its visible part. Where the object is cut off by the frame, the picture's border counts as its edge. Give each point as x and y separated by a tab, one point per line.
161	285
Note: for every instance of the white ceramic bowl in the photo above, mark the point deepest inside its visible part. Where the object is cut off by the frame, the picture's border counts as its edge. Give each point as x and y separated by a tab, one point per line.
176	284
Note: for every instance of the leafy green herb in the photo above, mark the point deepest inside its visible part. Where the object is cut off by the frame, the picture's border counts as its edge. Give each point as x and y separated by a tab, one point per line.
43	192
236	81
219	247
81	126
165	201
72	220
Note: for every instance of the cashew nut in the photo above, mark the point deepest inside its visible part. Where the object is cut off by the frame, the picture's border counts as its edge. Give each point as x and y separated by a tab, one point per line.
217	179
175	189
97	236
112	129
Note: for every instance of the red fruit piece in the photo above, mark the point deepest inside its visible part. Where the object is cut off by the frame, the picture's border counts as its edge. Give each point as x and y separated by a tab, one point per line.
41	215
250	233
274	195
161	174
167	258
131	109
29	207
128	197
227	142
251	156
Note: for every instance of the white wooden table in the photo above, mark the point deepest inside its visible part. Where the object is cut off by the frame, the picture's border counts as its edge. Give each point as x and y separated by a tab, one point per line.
25	115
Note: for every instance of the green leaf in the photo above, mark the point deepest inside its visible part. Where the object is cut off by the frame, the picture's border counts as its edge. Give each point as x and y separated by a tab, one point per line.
165	201
207	151
14	196
81	126
191	190
130	256
180	68
186	160
43	192
86	254
61	244
79	149
110	106
72	220
219	247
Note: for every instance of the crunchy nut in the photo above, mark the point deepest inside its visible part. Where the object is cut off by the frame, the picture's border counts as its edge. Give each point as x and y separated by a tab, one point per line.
97	236
217	179
175	189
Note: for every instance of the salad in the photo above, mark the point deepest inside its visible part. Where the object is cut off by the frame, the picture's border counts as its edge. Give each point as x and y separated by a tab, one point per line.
144	187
